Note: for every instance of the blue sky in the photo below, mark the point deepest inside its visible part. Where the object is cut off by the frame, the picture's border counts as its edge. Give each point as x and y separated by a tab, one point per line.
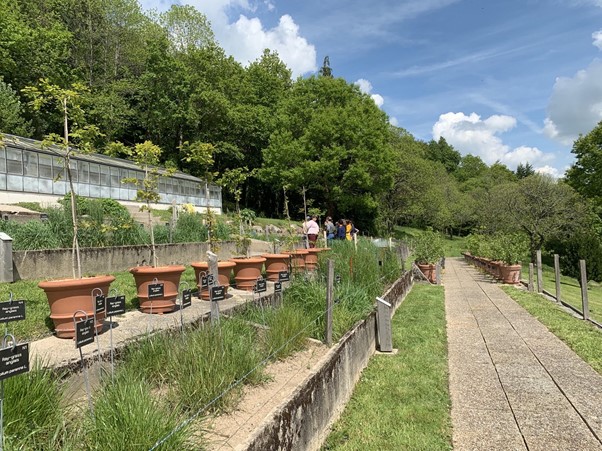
507	80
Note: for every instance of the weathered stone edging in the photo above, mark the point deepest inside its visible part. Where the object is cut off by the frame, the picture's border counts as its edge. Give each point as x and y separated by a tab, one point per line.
303	421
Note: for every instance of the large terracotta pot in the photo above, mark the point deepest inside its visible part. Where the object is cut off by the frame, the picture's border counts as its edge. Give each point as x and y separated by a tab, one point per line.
511	273
298	259
66	296
247	271
274	264
169	276
429	271
224	269
311	258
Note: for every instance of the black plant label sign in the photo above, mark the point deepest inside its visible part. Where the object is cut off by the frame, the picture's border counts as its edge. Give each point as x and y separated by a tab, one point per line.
99	302
277	287
218	293
155	290
186	298
206	281
12	311
261	286
14	360
115	305
283	276
84	332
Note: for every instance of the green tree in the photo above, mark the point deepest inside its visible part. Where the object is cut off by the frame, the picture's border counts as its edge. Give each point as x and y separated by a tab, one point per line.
333	140
444	153
11	116
585	174
539	206
524	170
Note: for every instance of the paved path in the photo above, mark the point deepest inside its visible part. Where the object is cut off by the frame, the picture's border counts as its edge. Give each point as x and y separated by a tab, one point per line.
513	384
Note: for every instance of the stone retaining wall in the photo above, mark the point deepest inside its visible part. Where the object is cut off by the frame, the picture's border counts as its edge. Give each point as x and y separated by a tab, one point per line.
56	263
304	420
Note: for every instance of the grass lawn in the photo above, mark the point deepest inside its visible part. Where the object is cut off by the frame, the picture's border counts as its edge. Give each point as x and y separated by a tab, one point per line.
402	401
570	291
37	323
582	337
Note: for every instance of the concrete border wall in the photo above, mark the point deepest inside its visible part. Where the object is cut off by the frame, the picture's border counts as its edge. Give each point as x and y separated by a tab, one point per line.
56	263
304	420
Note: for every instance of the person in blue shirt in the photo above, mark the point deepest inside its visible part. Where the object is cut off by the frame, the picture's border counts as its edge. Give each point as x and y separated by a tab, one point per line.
340	230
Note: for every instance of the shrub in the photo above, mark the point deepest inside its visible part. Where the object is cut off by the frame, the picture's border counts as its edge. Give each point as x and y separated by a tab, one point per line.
189	229
428	248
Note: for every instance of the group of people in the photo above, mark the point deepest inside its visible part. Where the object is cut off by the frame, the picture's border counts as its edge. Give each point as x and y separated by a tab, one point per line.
342	230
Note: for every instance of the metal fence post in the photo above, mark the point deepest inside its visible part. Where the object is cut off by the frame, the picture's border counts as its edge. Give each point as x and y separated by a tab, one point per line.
329	302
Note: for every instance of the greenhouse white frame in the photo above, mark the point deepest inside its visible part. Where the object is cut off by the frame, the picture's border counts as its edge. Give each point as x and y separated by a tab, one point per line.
28	167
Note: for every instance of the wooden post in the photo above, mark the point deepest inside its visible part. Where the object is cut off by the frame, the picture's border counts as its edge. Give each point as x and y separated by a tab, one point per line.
383	324
329	302
438	273
539	273
531	277
212	259
557	275
584	299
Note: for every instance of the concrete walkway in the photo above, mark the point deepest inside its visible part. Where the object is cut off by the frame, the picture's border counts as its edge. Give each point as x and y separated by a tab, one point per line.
513	384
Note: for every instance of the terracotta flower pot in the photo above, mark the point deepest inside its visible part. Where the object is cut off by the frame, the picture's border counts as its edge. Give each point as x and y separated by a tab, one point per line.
429	271
247	271
274	264
66	296
311	258
511	273
224	269
298	259
169	276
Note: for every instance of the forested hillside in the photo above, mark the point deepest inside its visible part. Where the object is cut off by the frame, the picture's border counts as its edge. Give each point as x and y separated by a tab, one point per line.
134	76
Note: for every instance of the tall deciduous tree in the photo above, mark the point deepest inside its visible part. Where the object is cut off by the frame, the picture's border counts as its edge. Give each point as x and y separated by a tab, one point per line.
333	140
585	175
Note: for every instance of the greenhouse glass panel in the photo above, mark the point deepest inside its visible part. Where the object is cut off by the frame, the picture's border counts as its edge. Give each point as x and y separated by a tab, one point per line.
83	171
115	181
105	178
14	162
83	189
14	182
30	160
95	191
58	171
2	181
74	174
2	161
30	184
94	174
45	166
45	186
59	187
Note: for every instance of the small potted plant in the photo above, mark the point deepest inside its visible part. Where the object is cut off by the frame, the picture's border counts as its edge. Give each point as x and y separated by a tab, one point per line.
428	250
68	296
147	157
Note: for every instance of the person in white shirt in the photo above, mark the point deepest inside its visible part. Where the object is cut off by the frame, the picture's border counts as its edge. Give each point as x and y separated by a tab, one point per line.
313	229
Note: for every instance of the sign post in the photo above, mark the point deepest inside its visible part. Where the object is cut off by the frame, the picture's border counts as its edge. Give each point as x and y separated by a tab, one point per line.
185	301
13	360
383	322
114	305
98	303
84	335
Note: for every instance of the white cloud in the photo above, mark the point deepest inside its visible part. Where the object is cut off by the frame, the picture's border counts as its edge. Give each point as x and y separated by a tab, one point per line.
246	38
366	87
597	37
549	170
575	105
471	134
393	121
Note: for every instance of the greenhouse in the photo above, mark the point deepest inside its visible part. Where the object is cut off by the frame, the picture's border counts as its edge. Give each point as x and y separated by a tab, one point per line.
28	167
